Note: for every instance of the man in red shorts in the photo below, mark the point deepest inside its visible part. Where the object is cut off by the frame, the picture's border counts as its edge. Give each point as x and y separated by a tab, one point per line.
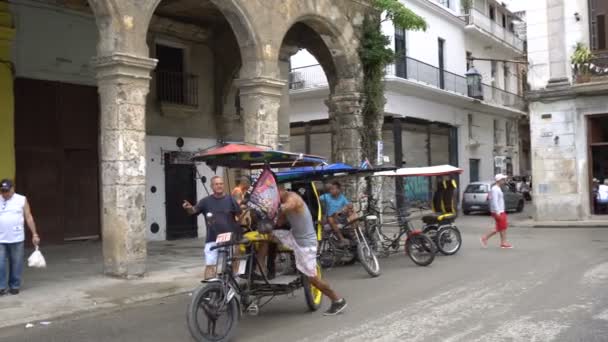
497	209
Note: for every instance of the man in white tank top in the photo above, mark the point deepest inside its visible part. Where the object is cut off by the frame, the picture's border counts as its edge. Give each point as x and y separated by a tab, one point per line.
14	213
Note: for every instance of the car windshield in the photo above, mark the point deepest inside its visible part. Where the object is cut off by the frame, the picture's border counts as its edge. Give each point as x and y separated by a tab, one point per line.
476	189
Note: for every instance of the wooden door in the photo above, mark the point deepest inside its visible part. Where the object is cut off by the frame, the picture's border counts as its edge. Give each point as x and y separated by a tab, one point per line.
180	185
56	134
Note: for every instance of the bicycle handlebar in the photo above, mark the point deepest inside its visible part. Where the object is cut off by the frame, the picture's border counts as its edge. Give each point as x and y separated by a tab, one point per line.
228	244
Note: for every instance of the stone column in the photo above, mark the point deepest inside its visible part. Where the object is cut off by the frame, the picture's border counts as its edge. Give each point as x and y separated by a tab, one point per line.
558	61
260	102
123	82
346	121
285	108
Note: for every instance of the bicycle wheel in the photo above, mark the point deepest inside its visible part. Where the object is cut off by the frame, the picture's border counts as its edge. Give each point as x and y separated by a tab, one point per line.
449	240
431	231
210	318
368	259
420	249
326	256
313	296
374	238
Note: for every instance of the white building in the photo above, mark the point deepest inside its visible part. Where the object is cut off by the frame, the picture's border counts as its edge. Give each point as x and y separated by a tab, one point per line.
427	104
567	109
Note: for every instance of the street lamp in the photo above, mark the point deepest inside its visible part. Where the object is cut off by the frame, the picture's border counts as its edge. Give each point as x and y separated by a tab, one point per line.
474	88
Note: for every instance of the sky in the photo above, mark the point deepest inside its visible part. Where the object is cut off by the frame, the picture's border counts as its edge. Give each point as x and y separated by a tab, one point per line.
515	5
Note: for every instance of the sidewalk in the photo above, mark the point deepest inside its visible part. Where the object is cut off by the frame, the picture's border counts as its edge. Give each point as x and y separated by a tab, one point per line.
73	281
561	224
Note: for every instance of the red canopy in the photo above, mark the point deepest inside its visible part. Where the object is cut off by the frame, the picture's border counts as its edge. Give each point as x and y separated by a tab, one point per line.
231	148
245	156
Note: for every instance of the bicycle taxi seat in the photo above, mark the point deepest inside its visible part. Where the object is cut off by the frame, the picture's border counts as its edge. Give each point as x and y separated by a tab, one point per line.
444	210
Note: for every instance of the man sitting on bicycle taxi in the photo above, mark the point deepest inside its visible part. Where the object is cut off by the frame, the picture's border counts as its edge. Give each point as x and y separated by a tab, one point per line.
221	212
337	210
301	238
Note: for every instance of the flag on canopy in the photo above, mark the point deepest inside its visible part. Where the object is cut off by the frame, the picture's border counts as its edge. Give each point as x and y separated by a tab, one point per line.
265	194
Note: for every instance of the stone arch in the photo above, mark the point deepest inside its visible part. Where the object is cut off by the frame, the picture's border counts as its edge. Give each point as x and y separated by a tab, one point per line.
129	21
326	39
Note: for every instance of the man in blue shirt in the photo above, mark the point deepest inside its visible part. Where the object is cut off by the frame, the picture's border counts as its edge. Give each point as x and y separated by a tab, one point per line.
335	205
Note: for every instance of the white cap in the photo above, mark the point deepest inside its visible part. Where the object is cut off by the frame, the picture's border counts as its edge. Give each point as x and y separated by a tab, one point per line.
500	177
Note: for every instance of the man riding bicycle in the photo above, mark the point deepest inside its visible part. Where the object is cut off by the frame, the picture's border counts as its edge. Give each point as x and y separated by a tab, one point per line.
338	210
221	212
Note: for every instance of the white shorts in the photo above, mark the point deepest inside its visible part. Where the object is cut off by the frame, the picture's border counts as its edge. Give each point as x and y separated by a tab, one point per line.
210	256
306	257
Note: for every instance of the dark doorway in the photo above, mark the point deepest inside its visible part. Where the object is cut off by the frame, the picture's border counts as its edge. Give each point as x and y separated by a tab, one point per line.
180	185
170	74
597	134
474	170
56	148
400	52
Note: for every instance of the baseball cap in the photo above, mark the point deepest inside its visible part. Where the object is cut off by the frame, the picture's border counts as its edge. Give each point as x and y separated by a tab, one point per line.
500	177
6	184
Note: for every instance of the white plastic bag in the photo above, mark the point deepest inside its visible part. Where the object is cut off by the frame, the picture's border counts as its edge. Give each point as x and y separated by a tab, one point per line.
36	259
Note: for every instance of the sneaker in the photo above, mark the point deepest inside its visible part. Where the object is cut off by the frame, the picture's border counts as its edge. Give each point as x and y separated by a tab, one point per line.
14	291
336	307
506	245
2	292
484	242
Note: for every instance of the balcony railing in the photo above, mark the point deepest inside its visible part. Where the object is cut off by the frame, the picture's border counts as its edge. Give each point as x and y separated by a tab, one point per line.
502	98
177	88
414	70
493	28
311	76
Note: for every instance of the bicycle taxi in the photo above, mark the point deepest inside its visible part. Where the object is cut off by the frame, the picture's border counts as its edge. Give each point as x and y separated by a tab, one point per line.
356	231
439	226
218	303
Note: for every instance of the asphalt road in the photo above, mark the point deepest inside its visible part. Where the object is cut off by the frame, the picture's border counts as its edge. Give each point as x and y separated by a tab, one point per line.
550	287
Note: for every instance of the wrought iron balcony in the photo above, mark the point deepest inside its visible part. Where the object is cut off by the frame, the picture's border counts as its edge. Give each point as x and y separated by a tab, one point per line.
177	88
312	76
493	28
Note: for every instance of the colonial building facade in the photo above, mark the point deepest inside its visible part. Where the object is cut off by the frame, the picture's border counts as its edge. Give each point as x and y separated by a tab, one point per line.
568	106
111	98
430	117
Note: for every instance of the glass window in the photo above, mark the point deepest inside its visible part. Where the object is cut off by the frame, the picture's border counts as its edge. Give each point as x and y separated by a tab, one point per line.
477	189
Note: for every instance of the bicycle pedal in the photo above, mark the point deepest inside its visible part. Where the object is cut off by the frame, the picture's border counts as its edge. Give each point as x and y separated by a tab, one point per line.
253	310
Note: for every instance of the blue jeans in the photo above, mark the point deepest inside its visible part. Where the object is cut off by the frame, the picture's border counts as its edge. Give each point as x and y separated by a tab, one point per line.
11	256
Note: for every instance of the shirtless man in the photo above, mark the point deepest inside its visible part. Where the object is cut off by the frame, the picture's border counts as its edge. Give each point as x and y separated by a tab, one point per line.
302	239
238	193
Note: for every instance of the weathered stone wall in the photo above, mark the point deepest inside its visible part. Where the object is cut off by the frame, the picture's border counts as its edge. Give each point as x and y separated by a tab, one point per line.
560	165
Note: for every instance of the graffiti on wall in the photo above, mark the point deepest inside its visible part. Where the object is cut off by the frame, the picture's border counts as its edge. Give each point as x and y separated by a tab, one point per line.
417	190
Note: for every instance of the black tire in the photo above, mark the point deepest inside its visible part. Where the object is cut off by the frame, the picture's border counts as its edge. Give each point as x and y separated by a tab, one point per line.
368	260
421	249
448	240
520	206
326	256
374	239
201	303
312	295
466	212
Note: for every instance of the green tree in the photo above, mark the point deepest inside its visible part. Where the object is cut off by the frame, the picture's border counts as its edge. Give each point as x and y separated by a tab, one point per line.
376	54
